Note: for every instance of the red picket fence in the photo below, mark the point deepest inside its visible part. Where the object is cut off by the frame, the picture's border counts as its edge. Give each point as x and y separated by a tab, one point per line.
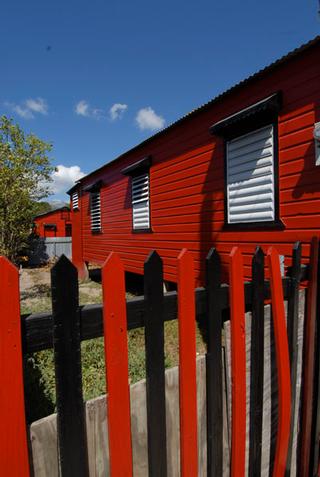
69	324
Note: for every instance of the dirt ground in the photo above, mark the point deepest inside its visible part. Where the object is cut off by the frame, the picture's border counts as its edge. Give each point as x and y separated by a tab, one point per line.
35	290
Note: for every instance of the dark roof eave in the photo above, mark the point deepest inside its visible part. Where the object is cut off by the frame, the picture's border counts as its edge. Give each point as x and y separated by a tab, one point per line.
73	188
137	167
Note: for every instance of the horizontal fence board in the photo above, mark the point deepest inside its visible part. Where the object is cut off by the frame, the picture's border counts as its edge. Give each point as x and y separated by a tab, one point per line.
44	433
37	328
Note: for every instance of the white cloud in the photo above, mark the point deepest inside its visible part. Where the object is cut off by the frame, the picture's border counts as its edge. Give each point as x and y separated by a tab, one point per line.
83	108
29	108
20	110
146	118
64	178
37	105
117	111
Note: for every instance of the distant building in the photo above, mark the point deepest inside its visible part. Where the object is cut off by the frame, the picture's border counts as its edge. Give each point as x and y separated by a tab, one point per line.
55	223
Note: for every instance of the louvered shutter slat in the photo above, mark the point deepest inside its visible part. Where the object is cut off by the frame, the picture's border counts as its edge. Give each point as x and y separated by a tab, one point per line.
250	177
247	199
95	211
140	202
75	200
254	217
260	136
257	172
247	165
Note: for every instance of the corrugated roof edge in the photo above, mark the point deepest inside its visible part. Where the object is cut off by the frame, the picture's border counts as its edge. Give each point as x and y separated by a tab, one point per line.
217	98
65	207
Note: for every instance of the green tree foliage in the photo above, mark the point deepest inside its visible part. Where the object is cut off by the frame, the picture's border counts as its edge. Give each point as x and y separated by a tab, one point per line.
25	175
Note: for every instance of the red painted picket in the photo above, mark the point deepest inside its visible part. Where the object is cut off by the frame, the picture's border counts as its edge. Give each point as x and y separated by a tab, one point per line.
283	363
238	364
187	366
14	460
116	357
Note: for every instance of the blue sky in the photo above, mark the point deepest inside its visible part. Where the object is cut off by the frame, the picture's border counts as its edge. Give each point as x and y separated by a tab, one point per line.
97	77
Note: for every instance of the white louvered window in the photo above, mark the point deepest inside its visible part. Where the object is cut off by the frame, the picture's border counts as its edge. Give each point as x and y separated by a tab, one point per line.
140	202
95	211
250	177
75	201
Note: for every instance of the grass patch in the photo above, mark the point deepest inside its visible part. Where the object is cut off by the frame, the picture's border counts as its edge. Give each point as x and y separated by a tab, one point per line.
39	367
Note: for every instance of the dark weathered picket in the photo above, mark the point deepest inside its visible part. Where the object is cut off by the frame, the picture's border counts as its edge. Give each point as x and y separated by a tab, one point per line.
257	363
214	365
155	367
309	364
292	331
315	437
69	324
238	364
67	358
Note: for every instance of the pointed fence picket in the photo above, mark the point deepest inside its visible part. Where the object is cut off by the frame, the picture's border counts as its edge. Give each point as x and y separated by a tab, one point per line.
283	365
257	363
116	356
187	366
309	371
69	324
238	364
292	332
155	366
14	459
67	358
214	387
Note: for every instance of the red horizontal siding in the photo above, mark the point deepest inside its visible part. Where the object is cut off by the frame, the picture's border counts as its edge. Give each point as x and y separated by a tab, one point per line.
187	182
59	218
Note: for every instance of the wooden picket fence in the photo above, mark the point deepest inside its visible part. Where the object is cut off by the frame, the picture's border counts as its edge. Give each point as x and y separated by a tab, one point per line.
68	324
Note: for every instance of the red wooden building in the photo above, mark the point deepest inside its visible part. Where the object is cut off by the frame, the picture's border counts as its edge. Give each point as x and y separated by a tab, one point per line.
241	169
55	223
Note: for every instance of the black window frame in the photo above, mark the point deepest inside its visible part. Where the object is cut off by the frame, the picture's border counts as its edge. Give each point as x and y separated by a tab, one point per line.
95	230
77	208
136	169
94	189
250	119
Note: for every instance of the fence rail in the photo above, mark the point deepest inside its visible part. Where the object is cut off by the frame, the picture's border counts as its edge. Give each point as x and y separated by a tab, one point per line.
68	324
38	327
